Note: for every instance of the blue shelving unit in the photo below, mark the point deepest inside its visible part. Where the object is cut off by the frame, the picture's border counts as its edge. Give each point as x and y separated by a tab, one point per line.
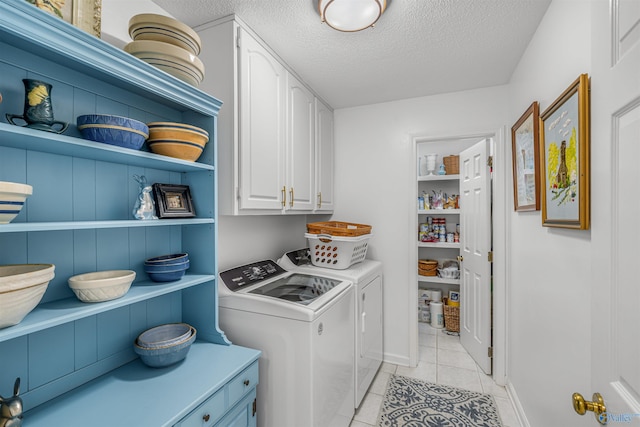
79	219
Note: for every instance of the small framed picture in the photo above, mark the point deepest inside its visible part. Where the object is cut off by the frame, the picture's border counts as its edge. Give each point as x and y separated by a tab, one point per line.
526	158
173	201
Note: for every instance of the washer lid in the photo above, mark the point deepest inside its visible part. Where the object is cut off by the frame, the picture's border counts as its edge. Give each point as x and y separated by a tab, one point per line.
299	288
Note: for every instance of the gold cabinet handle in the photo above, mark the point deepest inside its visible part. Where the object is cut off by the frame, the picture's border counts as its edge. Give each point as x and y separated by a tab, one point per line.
320	199
284	196
460	259
291	194
597	406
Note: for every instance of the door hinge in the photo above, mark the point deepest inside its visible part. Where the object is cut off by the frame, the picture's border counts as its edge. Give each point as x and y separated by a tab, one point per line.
238	197
490	352
490	161
238	32
253	413
490	256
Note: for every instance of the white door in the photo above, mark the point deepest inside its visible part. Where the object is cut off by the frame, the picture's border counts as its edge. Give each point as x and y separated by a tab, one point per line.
262	134
300	146
475	242
615	150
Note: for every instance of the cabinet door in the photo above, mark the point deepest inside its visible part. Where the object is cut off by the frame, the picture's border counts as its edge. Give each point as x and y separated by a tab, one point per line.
300	146
262	112
242	415
324	158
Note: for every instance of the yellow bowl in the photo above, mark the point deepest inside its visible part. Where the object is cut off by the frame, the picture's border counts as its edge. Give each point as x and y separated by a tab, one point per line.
178	149
168	131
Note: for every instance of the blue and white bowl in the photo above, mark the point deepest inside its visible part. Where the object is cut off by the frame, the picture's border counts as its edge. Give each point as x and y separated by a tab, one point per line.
166	355
113	130
167	259
164	335
12	198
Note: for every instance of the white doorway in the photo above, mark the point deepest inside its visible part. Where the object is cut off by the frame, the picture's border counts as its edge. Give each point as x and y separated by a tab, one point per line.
498	190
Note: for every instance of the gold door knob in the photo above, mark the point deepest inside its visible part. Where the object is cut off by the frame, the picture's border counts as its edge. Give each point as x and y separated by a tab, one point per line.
597	406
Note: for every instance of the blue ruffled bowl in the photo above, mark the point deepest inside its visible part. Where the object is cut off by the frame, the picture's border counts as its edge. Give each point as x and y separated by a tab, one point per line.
113	130
160	357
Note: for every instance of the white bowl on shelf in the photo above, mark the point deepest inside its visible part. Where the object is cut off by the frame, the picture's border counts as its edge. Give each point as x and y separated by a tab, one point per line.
12	198
172	59
21	289
151	26
101	285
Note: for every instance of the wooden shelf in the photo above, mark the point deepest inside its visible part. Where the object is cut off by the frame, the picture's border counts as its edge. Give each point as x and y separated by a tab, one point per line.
436	279
436	212
439	245
438	178
47	142
50	314
18	227
136	395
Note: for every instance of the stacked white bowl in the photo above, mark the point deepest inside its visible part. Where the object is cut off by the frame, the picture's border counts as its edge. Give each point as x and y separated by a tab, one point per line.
167	44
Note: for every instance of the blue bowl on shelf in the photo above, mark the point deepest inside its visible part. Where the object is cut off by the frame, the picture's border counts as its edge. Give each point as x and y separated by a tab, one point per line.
113	130
161	268
167	259
160	357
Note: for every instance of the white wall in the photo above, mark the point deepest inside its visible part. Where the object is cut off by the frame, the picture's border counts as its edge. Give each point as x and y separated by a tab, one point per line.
549	283
375	176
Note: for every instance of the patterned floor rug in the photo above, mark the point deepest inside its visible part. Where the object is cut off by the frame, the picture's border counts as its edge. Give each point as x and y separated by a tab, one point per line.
409	402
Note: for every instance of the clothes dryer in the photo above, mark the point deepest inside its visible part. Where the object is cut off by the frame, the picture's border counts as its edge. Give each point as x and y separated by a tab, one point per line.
367	328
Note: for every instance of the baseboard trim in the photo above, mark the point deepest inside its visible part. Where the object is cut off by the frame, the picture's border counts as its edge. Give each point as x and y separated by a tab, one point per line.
513	396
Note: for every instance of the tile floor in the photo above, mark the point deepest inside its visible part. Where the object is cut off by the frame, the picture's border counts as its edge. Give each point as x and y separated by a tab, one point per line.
443	360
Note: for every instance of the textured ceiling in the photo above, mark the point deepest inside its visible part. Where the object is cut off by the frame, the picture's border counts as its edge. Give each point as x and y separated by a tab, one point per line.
417	48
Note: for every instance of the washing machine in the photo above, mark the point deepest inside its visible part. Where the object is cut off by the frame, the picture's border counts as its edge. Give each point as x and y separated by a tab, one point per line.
297	320
367	280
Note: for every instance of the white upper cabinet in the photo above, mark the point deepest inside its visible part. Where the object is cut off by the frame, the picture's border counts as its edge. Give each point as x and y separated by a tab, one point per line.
275	136
324	158
262	138
300	152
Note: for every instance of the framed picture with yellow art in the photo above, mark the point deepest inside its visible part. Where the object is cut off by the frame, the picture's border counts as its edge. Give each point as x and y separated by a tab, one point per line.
564	155
525	152
84	14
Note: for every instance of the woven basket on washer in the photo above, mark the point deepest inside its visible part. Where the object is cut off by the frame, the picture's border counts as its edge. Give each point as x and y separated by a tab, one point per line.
451	164
427	267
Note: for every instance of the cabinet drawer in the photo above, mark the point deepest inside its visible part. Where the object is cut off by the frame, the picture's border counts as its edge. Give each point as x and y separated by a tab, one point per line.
207	413
242	383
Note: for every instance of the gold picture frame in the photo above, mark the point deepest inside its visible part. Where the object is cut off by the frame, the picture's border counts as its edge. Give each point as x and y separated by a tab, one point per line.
84	14
564	155
525	150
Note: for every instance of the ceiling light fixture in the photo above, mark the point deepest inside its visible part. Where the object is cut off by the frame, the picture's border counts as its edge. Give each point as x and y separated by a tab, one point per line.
351	15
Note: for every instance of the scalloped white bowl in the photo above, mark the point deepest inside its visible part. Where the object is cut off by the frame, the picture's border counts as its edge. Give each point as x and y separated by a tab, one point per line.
101	285
21	289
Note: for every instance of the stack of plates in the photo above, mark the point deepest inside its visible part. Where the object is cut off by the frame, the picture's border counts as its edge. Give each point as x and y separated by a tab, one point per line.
167	44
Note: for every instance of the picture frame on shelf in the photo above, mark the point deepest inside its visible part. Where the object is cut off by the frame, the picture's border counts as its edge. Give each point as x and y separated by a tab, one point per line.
173	201
525	144
84	14
564	155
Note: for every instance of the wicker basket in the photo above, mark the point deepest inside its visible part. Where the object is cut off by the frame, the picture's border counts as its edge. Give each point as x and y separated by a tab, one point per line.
427	267
451	164
451	317
337	228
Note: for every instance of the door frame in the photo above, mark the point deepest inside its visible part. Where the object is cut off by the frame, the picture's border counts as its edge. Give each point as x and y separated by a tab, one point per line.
500	215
